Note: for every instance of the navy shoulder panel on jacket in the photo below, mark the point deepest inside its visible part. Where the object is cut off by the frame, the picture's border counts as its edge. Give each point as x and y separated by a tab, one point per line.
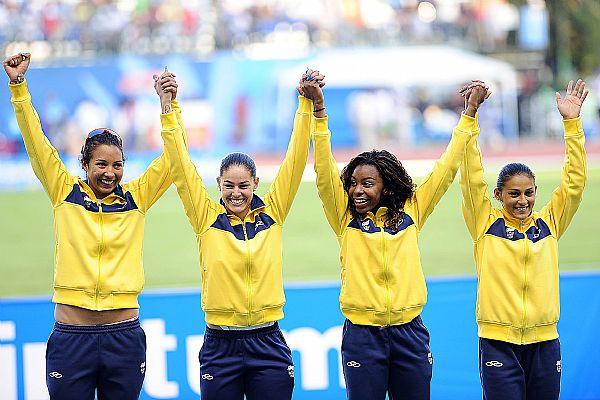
77	196
535	233
262	221
368	226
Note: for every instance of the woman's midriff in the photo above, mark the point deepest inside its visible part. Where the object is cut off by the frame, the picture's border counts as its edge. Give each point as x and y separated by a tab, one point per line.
72	315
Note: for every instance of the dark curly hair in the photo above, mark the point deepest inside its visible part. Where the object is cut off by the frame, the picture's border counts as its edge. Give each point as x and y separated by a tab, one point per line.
397	184
106	136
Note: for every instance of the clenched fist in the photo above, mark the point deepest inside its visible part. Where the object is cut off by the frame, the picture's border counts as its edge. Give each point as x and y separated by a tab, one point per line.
16	66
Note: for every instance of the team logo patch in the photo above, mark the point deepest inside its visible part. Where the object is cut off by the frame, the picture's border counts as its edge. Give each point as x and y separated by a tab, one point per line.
510	232
559	366
290	370
143	367
365	225
258	224
87	202
430	358
494	363
353	364
208	377
55	374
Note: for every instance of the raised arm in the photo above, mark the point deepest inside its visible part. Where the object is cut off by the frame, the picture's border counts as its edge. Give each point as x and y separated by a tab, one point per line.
330	187
153	183
433	187
44	158
476	204
566	198
285	186
199	208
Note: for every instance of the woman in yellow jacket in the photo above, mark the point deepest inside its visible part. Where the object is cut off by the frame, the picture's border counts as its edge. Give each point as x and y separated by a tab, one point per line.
516	254
97	344
377	214
239	241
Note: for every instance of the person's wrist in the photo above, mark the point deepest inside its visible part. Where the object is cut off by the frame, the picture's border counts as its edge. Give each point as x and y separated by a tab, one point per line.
471	110
318	105
19	79
165	104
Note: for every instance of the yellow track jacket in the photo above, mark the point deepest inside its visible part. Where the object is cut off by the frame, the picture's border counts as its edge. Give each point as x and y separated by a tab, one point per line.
241	261
382	279
98	255
517	261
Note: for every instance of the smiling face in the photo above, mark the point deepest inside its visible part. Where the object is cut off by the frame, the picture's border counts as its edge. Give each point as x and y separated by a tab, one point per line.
237	185
366	187
104	170
517	195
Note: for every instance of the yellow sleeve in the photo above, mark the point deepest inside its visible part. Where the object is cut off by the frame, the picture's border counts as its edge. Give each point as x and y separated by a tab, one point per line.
177	110
46	163
567	196
330	187
199	208
155	181
476	204
431	190
285	186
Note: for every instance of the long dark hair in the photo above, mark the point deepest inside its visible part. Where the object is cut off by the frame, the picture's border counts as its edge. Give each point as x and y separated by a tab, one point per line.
397	184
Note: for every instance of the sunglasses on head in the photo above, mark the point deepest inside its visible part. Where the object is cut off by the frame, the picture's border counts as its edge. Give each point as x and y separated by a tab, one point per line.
104	131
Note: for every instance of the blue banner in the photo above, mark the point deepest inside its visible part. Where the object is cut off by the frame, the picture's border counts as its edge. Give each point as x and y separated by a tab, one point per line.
174	327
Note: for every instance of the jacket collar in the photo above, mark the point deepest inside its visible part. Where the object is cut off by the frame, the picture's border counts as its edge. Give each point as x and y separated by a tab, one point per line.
255	204
379	216
116	195
518	223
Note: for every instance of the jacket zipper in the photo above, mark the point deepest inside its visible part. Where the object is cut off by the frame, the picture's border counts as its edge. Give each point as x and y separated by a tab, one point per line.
248	272
526	259
100	250
386	278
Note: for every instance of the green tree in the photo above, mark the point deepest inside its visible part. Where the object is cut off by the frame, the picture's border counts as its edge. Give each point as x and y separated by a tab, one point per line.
574	37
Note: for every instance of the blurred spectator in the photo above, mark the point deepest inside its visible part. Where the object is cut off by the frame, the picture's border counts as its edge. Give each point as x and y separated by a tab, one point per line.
168	26
63	29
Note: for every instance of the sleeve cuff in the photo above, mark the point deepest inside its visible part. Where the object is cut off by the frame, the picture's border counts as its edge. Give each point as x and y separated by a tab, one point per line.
19	91
168	121
467	124
573	126
321	125
304	105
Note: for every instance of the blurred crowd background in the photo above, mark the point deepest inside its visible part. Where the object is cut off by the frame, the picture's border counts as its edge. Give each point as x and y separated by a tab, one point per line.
94	60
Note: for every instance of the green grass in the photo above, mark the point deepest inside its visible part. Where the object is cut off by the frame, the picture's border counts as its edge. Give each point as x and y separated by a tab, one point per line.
310	249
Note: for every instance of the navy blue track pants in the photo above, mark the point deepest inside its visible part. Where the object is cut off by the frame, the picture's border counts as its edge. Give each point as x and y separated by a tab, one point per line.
519	372
109	359
395	360
255	363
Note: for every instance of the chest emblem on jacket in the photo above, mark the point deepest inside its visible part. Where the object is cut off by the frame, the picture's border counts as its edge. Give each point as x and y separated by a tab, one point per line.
80	198
534	233
368	226
510	232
